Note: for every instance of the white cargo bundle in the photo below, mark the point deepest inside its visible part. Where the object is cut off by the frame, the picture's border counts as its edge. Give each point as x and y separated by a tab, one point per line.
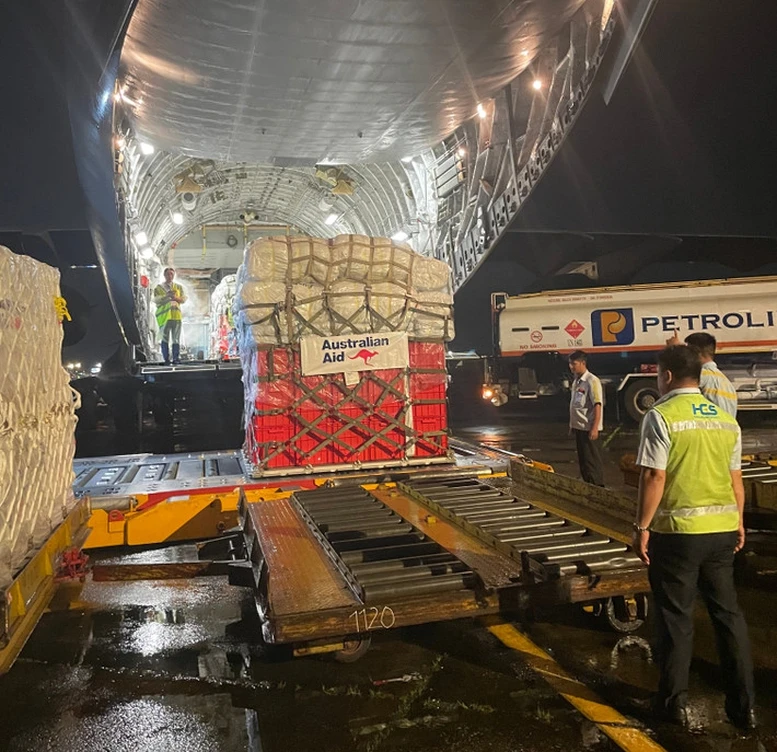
37	412
289	287
222	301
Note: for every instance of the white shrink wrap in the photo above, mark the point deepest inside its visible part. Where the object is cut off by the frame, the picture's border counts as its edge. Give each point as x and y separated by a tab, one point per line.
358	257
388	307
307	313
266	259
222	339
310	261
37	412
290	287
253	293
431	316
347	304
431	275
351	257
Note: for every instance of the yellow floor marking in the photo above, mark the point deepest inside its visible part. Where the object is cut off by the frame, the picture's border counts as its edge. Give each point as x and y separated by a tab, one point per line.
616	726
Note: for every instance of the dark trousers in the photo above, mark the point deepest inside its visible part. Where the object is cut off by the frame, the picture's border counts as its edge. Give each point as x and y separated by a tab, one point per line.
589	455
679	566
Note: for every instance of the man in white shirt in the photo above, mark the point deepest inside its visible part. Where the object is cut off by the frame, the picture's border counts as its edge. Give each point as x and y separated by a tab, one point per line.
714	384
586	418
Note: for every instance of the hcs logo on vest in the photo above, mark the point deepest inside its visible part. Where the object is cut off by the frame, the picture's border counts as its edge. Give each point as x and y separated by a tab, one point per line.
706	411
612	326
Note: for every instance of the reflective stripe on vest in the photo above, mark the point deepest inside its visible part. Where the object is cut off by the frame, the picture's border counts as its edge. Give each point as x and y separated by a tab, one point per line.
698	511
165	311
716	387
698	496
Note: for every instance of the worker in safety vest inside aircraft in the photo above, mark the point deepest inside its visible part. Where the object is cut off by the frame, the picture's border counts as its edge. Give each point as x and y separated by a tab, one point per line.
689	525
169	297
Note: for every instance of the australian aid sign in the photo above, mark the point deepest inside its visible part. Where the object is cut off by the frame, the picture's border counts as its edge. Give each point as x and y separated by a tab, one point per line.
354	352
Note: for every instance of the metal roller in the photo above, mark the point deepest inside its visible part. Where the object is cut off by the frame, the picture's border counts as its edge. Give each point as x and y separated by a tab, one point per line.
339	498
597	564
360	569
609	548
578	544
345	543
497	518
531	536
439	482
366	526
364	514
339	537
508	536
474	505
425	586
368	554
413	573
511	526
465	493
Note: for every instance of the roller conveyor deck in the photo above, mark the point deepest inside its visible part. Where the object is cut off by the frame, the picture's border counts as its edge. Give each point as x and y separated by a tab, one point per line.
549	546
344	561
340	561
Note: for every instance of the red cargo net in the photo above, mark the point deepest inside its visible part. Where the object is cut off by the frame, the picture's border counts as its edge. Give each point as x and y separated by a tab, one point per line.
388	416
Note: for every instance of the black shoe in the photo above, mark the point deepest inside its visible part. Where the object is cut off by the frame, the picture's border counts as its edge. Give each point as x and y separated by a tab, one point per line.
744	721
675	712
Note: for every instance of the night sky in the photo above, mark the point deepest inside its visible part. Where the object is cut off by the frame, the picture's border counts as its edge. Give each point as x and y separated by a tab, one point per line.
686	147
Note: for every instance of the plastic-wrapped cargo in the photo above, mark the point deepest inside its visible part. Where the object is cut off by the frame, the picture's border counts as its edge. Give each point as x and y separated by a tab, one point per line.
223	343
292	286
37	412
342	346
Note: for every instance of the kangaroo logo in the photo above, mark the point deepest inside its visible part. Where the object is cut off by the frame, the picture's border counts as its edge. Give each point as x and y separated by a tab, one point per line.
365	355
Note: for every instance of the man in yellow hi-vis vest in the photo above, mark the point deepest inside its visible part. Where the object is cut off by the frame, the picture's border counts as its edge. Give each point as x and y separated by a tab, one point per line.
169	297
688	528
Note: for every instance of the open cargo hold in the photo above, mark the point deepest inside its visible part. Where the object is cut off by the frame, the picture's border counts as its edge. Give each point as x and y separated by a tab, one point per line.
37	412
341	343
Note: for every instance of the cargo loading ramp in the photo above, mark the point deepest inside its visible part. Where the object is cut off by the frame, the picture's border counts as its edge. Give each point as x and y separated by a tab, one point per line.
338	563
564	558
343	562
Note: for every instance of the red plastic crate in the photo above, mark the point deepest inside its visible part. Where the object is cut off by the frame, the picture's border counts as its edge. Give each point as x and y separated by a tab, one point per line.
299	421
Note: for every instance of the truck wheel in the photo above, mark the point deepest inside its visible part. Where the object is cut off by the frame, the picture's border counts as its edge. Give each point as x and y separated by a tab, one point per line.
639	397
621	614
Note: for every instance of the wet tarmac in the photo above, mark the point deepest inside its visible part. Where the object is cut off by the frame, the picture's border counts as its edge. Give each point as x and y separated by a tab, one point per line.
180	665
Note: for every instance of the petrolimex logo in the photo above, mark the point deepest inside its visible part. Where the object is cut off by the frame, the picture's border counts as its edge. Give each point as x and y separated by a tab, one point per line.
612	326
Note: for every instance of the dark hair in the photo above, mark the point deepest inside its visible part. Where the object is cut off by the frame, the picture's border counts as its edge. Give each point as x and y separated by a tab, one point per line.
579	356
168	269
703	343
684	362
